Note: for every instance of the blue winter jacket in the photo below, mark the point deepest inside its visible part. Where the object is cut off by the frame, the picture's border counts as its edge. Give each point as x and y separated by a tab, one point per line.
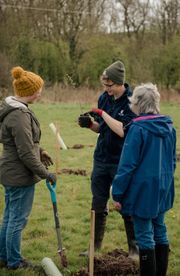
144	183
109	144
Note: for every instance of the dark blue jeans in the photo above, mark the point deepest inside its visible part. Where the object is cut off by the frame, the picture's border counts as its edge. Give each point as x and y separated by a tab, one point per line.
150	232
101	180
18	205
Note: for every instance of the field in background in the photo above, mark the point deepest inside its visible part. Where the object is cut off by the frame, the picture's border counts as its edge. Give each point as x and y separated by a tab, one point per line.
74	197
85	95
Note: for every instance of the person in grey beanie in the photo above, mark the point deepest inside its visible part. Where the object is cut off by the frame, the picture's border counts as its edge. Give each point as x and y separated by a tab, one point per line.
111	121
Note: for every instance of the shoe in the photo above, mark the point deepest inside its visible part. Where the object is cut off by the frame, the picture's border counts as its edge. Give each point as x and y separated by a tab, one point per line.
25	264
3	264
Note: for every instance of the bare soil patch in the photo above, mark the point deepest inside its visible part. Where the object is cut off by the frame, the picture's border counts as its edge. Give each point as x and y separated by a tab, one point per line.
113	263
80	146
72	171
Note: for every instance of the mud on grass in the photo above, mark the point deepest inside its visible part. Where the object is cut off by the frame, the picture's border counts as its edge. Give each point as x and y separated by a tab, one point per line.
113	263
72	171
80	146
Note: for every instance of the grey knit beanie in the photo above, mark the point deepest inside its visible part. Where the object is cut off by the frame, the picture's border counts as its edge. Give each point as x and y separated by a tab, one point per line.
116	72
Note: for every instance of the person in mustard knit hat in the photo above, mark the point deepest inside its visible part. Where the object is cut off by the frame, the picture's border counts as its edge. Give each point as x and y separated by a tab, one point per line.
22	163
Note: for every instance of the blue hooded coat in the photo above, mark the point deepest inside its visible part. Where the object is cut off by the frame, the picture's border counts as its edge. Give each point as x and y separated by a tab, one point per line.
144	183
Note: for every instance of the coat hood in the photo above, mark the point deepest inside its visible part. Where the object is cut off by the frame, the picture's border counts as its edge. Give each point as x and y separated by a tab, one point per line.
159	125
8	105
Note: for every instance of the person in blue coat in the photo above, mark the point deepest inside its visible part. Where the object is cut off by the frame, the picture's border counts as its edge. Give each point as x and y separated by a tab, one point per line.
143	186
114	114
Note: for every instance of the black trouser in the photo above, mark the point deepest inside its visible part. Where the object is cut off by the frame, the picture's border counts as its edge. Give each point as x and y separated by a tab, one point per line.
101	180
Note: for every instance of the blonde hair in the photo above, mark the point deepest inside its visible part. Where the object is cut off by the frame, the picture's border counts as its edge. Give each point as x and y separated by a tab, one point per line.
145	99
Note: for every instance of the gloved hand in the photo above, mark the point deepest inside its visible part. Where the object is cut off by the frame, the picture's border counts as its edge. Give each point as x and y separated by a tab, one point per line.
51	178
45	158
97	111
84	120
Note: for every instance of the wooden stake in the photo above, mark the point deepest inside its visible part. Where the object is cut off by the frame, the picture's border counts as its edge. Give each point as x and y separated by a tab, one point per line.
58	136
57	168
91	249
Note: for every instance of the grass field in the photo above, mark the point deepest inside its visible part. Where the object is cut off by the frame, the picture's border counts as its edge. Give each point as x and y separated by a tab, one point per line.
74	196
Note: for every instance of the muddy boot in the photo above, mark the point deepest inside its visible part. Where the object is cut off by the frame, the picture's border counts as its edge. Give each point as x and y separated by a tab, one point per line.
132	246
100	223
147	262
162	254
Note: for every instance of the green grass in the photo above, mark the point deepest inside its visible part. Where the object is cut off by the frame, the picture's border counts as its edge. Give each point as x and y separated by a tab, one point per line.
74	196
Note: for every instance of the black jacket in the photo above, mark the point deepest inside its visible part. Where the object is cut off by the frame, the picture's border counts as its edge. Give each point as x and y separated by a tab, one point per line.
109	144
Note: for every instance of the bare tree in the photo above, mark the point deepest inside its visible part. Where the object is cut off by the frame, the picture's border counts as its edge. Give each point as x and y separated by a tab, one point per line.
55	19
167	14
135	16
74	18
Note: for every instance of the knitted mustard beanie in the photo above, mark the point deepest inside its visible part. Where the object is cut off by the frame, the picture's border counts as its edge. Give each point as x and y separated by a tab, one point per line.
25	83
116	72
